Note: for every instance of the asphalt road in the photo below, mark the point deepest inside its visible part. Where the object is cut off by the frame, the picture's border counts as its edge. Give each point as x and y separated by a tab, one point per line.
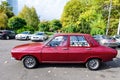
14	70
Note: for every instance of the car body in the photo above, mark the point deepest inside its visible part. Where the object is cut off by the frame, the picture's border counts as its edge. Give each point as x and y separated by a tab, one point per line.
23	36
7	34
39	36
64	48
106	40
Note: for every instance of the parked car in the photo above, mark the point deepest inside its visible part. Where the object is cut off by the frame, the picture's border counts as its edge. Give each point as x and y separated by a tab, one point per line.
117	37
39	36
64	48
106	41
23	36
7	34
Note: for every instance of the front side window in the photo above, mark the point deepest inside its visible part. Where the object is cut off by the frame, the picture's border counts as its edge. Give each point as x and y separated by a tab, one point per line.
59	41
78	41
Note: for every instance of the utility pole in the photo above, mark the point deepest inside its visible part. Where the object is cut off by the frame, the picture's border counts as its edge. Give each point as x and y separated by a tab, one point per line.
108	23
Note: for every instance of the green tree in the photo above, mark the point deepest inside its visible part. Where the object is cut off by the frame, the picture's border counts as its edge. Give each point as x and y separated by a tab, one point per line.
3	21
44	26
55	25
16	23
6	8
114	17
71	12
30	16
71	28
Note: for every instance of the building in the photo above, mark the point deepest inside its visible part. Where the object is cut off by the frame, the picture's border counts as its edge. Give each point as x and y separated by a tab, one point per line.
14	5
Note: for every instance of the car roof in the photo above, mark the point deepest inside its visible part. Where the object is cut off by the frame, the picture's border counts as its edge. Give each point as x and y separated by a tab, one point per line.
57	34
4	30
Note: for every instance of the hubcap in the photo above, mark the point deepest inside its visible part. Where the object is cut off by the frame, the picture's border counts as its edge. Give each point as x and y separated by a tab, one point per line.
94	64
7	37
30	62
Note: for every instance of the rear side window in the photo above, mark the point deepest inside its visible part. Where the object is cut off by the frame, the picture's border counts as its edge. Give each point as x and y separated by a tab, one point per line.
78	41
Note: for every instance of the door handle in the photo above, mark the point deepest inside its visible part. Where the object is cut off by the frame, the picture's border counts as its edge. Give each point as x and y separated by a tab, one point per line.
65	48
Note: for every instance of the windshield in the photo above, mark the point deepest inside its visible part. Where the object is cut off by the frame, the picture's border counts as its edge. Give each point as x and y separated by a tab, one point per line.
39	33
51	37
26	32
104	37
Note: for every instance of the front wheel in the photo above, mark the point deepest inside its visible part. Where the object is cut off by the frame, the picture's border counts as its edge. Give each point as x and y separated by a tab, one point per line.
29	62
93	64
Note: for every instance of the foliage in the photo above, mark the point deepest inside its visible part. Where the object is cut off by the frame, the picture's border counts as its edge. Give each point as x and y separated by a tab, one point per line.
91	16
43	26
5	14
114	17
69	28
30	16
71	12
25	28
95	31
3	20
16	23
55	25
5	8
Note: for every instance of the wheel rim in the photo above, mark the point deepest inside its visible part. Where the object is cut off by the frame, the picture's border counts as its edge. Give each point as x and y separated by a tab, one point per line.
30	62
94	64
7	37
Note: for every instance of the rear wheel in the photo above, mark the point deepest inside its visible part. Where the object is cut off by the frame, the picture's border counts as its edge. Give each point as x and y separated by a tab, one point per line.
29	62
93	64
7	37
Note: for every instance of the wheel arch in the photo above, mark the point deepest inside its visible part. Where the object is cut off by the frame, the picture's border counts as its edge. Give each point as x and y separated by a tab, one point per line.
93	58
29	55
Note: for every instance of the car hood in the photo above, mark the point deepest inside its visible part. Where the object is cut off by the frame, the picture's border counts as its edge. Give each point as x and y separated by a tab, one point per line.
37	35
22	34
35	47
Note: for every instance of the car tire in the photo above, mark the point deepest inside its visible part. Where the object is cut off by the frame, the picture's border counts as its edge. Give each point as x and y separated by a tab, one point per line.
29	62
93	64
27	38
7	37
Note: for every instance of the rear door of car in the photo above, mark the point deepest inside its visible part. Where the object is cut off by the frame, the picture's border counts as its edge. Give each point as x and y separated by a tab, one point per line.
79	49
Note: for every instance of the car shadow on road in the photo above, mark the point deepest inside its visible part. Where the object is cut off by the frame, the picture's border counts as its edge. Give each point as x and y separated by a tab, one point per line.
111	64
61	65
104	66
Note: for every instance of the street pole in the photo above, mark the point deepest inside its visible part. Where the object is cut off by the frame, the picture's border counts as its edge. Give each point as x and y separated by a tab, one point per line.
108	23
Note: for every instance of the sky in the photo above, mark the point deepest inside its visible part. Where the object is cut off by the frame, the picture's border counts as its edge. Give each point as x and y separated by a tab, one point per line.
46	9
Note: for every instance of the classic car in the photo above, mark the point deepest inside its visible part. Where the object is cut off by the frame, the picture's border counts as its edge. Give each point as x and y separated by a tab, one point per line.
64	48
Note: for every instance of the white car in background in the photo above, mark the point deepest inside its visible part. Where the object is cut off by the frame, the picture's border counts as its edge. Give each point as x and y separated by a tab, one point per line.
117	37
106	40
39	36
23	36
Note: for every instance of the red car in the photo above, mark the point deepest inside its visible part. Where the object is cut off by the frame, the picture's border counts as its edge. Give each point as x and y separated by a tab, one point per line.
64	48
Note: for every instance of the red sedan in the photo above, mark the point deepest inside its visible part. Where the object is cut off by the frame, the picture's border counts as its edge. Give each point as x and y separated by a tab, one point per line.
64	48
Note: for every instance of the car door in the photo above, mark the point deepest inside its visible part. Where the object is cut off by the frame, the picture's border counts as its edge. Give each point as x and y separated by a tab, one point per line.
56	50
79	49
12	34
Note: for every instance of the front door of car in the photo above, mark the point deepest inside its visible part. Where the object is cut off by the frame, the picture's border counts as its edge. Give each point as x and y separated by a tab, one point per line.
56	50
79	49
